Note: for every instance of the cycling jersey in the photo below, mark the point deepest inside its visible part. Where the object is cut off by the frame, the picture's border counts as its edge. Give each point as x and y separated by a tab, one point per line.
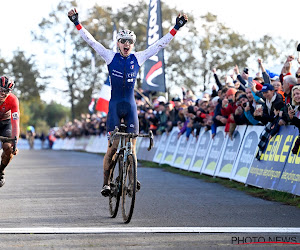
9	110
123	72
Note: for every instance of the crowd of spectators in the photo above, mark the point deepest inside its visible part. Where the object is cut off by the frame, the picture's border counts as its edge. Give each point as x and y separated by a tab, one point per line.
266	99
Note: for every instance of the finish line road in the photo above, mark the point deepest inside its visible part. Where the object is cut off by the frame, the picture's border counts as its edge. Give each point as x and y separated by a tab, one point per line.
52	200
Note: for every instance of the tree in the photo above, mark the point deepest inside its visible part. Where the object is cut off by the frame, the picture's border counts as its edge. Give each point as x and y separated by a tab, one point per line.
73	51
26	77
54	113
223	48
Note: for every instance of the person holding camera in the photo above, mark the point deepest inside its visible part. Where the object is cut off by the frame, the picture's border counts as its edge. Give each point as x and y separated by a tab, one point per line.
243	105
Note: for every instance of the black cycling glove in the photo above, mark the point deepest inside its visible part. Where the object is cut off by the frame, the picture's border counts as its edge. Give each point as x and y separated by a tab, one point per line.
180	21
74	18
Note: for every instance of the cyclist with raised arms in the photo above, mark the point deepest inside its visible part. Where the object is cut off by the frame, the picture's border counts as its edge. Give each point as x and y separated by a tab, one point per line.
9	122
123	68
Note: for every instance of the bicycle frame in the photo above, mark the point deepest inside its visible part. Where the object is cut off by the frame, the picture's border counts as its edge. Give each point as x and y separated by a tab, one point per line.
128	174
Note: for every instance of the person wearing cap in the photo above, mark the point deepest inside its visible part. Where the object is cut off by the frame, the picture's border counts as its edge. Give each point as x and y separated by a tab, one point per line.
265	112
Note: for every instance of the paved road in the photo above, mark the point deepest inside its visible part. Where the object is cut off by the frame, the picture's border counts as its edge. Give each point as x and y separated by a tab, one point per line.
50	189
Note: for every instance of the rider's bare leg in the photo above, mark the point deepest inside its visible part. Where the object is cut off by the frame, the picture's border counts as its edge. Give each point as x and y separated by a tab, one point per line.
107	161
6	156
5	159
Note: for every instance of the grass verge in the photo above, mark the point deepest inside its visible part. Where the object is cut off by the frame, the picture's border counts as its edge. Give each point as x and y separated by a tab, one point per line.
271	195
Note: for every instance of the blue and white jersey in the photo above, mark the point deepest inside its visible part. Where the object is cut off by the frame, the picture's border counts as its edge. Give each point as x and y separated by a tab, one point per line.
123	72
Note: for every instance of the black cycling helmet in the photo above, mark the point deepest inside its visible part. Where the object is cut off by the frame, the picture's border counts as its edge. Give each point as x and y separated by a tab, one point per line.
7	83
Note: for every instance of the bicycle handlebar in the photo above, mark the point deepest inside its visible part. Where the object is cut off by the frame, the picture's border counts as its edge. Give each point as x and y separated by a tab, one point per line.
131	135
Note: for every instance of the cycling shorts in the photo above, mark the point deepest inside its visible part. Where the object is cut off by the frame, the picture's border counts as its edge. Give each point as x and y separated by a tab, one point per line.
5	128
125	110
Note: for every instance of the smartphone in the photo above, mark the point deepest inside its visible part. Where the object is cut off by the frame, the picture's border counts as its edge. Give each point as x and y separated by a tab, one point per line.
258	106
250	82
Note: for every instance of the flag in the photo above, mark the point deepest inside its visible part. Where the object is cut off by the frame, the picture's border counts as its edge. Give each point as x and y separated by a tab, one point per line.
154	71
91	105
103	101
105	93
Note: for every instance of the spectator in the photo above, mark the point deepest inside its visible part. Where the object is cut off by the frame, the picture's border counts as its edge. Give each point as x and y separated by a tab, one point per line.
171	115
161	118
250	108
288	83
286	69
228	108
298	75
278	88
219	119
265	113
294	115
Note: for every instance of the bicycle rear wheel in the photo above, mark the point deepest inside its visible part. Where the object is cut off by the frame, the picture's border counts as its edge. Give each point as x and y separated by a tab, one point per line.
129	188
115	186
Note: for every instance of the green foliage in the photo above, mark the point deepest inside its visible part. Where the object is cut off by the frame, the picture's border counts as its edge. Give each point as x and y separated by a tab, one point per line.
54	113
25	75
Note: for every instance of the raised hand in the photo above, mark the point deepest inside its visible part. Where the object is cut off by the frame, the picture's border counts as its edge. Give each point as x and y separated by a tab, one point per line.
73	16
180	21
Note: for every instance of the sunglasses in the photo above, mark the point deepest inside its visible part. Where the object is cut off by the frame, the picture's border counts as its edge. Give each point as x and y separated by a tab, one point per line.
5	91
123	41
297	76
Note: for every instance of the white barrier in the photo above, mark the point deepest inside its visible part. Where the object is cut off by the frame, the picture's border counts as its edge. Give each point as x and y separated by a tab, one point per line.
220	156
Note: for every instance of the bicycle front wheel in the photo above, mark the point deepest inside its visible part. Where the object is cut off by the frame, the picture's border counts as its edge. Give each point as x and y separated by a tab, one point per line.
115	186
129	188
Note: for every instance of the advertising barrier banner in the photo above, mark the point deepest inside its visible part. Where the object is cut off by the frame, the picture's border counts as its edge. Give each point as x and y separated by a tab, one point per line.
214	153
290	178
190	151
246	153
180	151
162	145
231	149
173	142
201	148
266	172
142	149
150	154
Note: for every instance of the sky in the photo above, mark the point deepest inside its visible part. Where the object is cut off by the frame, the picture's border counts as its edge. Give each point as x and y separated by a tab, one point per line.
250	18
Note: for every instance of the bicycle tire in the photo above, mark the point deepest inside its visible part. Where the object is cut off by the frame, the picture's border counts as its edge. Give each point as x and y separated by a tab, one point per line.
129	188
115	186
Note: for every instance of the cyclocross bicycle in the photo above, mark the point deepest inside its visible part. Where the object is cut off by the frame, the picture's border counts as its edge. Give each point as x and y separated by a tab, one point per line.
123	175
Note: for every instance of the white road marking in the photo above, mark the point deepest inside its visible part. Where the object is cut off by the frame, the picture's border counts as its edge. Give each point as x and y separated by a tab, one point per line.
102	230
